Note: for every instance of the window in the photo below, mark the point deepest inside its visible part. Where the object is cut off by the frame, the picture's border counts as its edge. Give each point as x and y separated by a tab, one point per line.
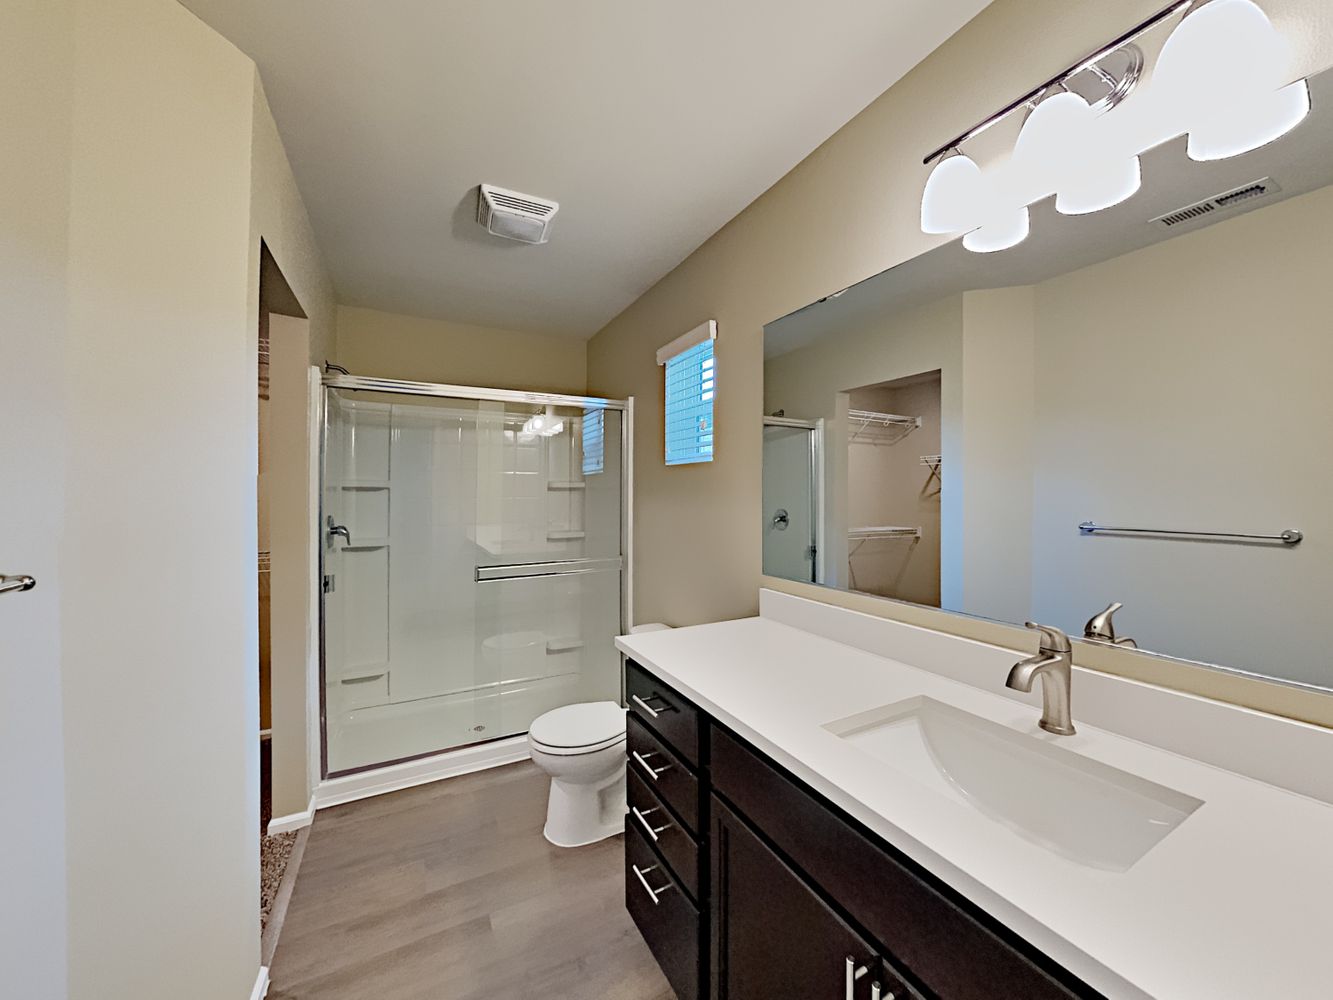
594	442
690	388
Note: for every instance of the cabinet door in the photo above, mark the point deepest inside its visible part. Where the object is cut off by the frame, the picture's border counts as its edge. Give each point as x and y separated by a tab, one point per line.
773	936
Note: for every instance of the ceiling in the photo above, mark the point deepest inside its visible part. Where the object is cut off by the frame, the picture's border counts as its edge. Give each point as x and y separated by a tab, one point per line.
652	124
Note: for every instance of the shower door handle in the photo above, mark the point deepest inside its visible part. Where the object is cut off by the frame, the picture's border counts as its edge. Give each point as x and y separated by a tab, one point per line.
16	584
339	529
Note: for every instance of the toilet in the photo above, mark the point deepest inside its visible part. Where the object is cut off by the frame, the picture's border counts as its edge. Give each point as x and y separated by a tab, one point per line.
582	748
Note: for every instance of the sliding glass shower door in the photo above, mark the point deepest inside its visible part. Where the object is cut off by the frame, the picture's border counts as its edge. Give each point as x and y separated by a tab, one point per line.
472	568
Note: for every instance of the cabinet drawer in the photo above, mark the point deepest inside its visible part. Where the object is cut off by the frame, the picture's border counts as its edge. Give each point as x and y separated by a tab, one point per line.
945	942
669	714
658	824
665	773
664	914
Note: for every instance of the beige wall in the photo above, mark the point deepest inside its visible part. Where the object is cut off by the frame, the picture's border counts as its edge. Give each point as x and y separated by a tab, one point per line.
36	107
848	211
996	454
157	558
278	217
287	482
390	345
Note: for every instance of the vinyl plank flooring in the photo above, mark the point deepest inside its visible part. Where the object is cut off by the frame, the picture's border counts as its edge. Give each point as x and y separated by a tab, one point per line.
449	892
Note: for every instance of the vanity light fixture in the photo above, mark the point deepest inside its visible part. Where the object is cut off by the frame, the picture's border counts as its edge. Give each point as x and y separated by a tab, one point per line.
1220	80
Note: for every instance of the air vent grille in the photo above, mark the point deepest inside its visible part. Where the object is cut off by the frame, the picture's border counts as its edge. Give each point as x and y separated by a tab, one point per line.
1227	199
522	204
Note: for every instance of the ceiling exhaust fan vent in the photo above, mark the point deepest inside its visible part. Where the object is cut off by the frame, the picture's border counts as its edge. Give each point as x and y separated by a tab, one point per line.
515	216
1227	199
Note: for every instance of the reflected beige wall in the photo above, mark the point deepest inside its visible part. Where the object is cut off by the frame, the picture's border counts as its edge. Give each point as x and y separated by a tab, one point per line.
848	211
390	345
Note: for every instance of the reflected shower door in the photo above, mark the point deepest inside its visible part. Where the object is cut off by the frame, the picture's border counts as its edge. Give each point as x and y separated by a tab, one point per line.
481	583
790	494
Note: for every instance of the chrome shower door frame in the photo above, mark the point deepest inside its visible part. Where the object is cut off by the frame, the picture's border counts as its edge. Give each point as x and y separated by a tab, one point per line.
339	380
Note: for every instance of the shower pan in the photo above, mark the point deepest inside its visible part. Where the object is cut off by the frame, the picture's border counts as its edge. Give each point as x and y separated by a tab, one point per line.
474	564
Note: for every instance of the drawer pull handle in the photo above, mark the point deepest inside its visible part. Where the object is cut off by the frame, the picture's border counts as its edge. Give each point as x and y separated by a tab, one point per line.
854	972
642	874
648	827
642	759
653	712
877	993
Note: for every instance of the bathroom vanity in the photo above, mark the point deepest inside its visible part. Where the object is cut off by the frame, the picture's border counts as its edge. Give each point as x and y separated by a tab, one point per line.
825	804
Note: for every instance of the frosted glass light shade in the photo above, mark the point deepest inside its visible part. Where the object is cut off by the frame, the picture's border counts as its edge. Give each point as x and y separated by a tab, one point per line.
1247	125
999	235
1050	150
1224	50
1105	182
953	200
1221	76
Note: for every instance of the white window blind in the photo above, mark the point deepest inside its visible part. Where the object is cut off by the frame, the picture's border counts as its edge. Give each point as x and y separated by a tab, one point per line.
594	442
690	387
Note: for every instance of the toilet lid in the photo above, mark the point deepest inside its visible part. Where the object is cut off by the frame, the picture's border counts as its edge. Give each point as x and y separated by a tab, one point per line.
591	724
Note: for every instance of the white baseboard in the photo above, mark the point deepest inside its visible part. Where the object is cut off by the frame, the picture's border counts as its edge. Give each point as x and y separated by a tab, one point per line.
293	821
335	791
261	984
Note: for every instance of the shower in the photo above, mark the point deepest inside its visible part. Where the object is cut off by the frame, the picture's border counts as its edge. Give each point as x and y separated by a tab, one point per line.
474	564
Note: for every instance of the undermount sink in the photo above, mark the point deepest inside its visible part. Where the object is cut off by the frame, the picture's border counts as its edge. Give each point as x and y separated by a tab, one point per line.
1086	811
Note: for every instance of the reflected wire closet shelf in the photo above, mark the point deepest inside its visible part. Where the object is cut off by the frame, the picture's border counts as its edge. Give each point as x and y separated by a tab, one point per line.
870	424
884	531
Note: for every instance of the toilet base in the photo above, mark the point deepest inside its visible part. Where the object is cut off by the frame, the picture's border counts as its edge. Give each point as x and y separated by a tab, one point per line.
578	815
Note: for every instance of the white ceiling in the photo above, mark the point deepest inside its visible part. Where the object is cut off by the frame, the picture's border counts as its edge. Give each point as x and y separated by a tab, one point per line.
652	123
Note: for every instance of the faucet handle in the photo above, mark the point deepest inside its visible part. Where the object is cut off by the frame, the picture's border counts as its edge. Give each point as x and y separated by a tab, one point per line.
1052	639
1101	625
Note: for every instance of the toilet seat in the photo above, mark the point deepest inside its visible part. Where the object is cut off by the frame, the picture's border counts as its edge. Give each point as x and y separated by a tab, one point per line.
579	729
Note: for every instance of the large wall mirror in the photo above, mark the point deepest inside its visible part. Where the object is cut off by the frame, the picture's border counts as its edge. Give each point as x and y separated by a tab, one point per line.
1104	413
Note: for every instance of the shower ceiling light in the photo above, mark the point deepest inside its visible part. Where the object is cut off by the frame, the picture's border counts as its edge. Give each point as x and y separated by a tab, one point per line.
543	425
1221	79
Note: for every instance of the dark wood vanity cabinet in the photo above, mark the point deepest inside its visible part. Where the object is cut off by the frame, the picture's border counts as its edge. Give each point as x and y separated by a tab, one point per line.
775	936
749	885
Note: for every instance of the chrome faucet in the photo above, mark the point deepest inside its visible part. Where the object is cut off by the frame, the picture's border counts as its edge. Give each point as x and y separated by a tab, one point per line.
1101	628
1054	664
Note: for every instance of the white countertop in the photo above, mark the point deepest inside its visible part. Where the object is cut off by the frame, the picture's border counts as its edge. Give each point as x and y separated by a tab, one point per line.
1236	902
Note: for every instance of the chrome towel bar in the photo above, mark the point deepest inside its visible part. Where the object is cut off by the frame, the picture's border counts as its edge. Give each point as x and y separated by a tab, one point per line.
540	570
1288	537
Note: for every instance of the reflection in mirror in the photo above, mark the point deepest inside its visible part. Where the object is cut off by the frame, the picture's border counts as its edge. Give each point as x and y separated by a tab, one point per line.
1161	365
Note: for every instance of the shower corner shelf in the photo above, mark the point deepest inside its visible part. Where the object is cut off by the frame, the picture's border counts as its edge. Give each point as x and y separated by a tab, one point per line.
563	645
557	485
560	535
368	543
364	484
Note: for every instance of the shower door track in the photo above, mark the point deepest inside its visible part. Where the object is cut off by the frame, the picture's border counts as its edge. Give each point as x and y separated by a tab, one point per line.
364	383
